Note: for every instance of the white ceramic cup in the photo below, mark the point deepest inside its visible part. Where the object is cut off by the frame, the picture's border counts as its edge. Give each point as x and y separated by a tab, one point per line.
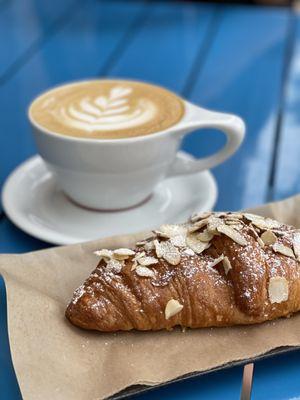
120	173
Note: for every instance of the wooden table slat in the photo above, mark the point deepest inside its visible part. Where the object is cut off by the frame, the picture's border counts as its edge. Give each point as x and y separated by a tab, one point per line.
242	74
165	49
277	378
287	177
23	25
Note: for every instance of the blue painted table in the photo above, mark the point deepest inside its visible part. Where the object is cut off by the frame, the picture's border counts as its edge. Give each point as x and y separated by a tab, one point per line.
232	58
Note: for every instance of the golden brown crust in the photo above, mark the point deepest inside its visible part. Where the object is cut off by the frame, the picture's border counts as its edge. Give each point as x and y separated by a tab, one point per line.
235	279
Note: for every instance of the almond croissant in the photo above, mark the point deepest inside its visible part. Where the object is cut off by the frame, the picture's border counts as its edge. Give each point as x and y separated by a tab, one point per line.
219	269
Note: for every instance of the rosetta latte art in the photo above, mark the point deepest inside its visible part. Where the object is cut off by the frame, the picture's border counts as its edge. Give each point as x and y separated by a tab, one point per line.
106	112
106	109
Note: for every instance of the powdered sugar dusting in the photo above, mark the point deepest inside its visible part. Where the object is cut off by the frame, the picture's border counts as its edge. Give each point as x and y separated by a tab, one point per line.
79	292
170	255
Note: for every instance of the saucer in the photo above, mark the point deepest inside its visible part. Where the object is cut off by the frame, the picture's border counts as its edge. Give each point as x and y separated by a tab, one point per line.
34	203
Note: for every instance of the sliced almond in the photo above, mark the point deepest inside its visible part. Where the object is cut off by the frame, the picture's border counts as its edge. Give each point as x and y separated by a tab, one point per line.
260	242
158	248
238	227
235	215
134	265
149	245
234	225
256	235
296	245
232	234
114	266
261	222
268	237
141	243
216	261
231	221
173	230
188	252
168	252
197	217
173	307
178	241
139	255
278	289
104	253
254	231
147	261
144	271
193	228
251	217
282	249
198	225
161	234
123	253
203	221
272	224
226	264
193	242
214	223
171	253
206	236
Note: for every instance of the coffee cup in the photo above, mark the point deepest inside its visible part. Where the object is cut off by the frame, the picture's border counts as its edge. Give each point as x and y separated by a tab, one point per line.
111	157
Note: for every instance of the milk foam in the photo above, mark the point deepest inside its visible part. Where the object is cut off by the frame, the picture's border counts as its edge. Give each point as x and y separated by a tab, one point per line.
106	109
107	113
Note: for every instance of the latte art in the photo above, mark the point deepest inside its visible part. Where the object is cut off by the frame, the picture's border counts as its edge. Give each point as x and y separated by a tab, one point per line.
107	113
107	109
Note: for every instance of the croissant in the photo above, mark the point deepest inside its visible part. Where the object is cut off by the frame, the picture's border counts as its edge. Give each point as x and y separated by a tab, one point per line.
218	269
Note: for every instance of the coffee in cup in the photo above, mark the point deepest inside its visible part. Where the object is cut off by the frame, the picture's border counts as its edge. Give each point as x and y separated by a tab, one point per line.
107	109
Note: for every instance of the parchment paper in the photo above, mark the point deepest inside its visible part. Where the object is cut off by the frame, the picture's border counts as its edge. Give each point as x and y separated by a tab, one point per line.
56	361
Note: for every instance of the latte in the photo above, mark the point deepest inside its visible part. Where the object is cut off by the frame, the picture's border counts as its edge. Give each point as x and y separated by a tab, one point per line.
107	109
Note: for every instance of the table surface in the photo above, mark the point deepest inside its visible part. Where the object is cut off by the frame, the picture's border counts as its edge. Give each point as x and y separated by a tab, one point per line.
239	59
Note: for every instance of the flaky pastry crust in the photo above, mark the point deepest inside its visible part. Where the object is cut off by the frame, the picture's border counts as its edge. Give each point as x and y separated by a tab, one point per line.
219	269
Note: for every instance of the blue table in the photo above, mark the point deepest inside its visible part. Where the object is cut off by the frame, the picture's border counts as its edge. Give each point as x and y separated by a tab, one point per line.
238	59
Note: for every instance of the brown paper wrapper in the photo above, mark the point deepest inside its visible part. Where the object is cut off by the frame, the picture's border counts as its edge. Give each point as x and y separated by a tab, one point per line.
55	361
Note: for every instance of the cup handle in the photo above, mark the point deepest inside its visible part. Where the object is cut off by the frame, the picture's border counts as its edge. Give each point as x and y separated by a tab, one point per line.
231	125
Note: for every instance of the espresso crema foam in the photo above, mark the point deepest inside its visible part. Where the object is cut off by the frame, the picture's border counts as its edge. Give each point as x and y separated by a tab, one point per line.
107	109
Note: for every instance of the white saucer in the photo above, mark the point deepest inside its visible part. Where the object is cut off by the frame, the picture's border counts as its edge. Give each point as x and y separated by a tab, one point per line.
33	202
